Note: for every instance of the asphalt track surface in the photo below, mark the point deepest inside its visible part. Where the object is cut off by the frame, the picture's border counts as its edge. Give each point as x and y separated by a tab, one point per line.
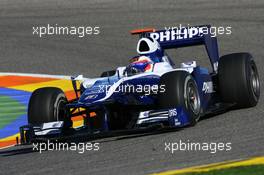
20	51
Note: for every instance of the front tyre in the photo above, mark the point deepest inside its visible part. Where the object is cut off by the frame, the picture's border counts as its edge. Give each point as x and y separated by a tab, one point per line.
181	91
48	105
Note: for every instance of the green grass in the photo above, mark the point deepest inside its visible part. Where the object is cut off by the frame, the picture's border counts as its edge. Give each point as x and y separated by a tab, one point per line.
10	110
243	170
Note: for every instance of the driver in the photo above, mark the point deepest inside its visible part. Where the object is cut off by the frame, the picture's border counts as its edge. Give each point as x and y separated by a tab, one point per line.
141	64
149	53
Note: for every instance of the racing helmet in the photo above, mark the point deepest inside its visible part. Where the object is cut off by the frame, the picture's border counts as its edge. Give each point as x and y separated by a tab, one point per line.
139	65
143	63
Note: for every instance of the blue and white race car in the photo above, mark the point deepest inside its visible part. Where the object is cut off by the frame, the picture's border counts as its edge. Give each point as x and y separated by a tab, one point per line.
151	89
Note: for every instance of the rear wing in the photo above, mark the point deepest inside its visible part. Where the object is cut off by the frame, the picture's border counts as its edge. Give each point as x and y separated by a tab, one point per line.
183	37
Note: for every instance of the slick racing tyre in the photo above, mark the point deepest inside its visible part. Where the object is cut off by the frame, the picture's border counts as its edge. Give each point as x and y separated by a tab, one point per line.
48	105
238	80
181	91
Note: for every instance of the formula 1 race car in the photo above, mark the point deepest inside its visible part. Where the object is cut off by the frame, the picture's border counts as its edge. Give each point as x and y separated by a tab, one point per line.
151	90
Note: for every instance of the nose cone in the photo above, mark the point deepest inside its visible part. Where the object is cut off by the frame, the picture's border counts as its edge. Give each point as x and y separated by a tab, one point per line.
91	95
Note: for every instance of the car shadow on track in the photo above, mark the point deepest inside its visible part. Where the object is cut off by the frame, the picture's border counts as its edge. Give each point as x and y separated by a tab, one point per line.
16	151
123	135
88	137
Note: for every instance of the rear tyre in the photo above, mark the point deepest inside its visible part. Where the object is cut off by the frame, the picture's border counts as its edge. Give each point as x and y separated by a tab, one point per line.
48	105
239	80
181	90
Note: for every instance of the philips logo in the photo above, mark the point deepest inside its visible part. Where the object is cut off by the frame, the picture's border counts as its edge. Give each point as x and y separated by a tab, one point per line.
175	34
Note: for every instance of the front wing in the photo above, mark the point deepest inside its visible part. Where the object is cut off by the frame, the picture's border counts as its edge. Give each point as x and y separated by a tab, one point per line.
172	118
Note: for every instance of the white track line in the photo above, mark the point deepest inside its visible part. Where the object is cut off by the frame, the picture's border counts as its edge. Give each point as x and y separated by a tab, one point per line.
9	146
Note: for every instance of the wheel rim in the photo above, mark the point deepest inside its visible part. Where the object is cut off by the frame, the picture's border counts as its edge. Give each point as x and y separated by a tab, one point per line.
193	98
254	80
